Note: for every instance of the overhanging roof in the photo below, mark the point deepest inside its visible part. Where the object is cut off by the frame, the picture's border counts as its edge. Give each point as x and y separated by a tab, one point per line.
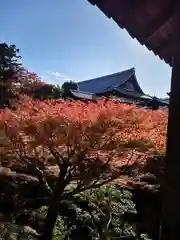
83	95
149	21
131	94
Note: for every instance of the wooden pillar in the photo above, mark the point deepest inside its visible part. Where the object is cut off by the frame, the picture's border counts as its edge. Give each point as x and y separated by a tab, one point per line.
171	189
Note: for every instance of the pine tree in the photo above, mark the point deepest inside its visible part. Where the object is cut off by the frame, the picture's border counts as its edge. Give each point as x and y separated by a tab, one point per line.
9	66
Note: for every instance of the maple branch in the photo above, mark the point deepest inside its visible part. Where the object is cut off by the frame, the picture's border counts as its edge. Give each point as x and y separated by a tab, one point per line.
93	185
39	173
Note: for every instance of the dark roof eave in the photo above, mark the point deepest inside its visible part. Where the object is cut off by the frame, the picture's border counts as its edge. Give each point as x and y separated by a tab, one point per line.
83	95
125	22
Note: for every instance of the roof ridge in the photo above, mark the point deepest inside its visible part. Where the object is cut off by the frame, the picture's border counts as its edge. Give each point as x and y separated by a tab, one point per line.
110	75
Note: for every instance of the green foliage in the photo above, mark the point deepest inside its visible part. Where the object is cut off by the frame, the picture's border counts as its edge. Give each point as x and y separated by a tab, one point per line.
8	58
67	86
60	229
112	210
47	91
9	66
106	213
58	92
11	231
43	92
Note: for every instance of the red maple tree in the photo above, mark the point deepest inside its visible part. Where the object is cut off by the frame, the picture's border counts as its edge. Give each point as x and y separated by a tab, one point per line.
87	141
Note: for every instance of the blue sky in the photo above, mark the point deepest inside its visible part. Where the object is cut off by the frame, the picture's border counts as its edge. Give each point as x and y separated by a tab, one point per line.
72	39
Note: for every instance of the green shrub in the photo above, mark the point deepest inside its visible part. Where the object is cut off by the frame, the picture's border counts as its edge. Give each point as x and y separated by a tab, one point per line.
105	213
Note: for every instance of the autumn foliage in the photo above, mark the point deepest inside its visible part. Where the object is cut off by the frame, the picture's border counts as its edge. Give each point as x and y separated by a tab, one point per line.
35	128
89	143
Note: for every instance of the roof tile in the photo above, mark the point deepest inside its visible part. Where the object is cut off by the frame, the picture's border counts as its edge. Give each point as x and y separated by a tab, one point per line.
106	83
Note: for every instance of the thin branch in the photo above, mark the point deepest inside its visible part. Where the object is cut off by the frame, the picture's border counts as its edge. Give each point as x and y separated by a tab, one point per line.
40	174
41	177
70	151
109	221
108	140
70	172
93	185
56	155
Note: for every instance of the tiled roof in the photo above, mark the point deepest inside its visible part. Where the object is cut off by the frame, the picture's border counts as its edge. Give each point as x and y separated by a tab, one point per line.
164	101
106	83
132	94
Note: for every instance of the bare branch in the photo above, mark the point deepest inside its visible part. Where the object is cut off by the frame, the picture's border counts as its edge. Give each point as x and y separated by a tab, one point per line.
93	185
39	173
41	177
58	157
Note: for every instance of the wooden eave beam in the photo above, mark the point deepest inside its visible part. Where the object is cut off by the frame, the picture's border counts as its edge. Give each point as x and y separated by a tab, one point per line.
163	30
162	46
161	21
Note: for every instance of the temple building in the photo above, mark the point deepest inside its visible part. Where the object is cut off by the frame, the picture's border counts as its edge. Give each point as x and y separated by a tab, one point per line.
122	86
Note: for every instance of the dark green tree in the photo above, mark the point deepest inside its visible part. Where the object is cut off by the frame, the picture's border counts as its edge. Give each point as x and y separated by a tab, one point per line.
58	92
43	92
67	86
9	66
46	91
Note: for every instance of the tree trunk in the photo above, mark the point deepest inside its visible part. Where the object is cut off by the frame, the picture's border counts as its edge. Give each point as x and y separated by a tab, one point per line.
53	210
171	187
50	220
